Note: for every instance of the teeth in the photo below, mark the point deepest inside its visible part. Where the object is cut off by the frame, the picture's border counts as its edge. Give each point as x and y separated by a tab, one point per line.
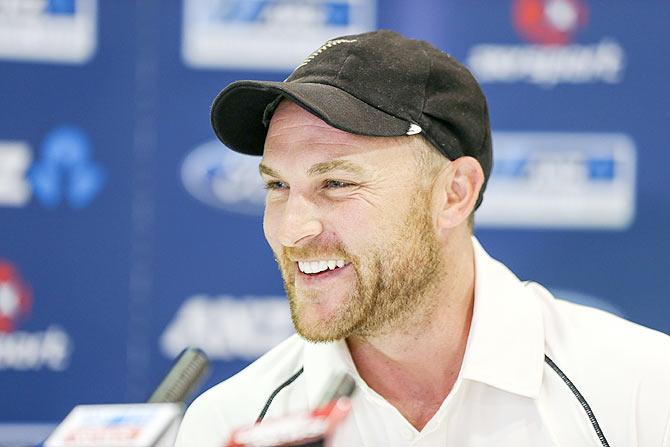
319	266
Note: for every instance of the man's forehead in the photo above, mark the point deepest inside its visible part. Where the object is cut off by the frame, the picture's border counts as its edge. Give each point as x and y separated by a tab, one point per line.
292	125
297	136
288	110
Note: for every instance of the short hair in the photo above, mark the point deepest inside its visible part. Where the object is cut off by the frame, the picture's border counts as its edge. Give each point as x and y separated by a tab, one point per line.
429	162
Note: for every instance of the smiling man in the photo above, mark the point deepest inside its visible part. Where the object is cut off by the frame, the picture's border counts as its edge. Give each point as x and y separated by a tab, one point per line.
349	219
375	154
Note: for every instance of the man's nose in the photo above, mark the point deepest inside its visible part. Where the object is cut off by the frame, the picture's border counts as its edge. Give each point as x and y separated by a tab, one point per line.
300	221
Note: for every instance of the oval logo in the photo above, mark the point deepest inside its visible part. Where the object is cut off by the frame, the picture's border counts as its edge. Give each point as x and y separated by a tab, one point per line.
222	178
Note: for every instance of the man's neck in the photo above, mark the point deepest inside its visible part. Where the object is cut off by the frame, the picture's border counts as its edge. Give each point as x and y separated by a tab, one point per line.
415	368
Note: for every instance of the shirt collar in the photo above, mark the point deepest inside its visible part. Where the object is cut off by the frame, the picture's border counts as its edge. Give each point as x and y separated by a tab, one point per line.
505	347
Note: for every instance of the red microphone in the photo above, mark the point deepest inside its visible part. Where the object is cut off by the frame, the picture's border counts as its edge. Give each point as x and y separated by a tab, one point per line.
307	429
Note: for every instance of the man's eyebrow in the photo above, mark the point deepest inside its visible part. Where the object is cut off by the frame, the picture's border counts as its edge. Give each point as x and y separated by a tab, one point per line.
319	168
332	165
263	169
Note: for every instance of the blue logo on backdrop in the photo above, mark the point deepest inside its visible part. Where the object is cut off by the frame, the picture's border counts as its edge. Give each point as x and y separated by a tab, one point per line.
65	170
595	169
65	7
221	178
561	180
267	34
333	13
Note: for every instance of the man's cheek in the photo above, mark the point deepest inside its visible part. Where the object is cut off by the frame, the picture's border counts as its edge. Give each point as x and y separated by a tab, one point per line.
270	230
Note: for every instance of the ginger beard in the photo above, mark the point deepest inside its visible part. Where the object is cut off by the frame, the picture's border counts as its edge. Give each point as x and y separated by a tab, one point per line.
392	287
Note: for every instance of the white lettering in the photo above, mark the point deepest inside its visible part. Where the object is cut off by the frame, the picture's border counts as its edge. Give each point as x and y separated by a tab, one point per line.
548	65
226	327
24	351
15	158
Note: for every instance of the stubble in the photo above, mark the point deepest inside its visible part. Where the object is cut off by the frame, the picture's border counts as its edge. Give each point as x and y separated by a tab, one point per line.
394	286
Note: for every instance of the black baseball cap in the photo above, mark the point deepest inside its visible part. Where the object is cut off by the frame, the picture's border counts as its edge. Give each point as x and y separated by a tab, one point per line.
377	84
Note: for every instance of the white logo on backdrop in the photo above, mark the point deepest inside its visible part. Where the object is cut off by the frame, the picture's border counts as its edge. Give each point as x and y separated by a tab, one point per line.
49	349
23	350
266	34
227	327
15	160
550	57
548	65
62	31
560	180
221	178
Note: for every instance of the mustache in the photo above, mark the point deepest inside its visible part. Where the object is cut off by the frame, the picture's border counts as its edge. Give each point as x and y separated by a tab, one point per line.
335	250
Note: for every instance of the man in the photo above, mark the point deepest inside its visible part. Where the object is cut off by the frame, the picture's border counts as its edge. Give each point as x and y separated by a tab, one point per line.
376	152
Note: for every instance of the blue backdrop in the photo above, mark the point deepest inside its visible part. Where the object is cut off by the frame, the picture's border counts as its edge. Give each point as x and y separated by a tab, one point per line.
127	233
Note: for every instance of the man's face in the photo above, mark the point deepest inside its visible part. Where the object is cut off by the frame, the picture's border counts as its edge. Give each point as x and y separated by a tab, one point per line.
350	227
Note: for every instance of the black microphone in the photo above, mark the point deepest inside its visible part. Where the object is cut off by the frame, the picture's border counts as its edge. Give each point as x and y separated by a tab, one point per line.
188	370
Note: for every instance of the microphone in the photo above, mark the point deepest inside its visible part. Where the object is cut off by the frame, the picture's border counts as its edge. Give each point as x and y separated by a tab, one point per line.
189	369
308	428
151	424
342	385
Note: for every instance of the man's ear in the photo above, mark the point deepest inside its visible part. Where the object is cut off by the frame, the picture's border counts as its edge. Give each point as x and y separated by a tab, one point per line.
463	179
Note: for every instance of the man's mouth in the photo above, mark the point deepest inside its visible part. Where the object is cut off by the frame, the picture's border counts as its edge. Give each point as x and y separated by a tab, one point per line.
313	268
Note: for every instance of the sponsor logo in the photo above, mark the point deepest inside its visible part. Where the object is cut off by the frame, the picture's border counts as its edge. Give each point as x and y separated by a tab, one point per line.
550	57
228	328
266	34
15	159
224	179
48	30
561	180
549	21
118	425
22	350
15	297
326	46
91	435
64	171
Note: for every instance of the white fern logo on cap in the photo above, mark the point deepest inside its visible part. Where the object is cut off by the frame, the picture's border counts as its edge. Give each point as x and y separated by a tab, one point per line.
324	47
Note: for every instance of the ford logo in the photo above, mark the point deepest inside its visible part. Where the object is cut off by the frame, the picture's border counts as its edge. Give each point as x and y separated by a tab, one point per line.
221	178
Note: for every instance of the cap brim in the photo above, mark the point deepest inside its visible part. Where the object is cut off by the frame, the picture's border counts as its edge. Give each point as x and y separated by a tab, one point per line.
237	112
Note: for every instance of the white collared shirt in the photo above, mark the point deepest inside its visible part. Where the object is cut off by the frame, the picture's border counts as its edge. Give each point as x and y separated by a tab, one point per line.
506	394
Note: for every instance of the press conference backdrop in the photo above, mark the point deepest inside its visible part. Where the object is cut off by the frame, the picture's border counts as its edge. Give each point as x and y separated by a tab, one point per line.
127	232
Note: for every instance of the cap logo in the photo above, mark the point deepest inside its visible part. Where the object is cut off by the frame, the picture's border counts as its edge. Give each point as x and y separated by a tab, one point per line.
413	129
329	44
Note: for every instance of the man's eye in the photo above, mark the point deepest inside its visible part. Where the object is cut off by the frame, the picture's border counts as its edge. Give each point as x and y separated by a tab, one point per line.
335	184
274	185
